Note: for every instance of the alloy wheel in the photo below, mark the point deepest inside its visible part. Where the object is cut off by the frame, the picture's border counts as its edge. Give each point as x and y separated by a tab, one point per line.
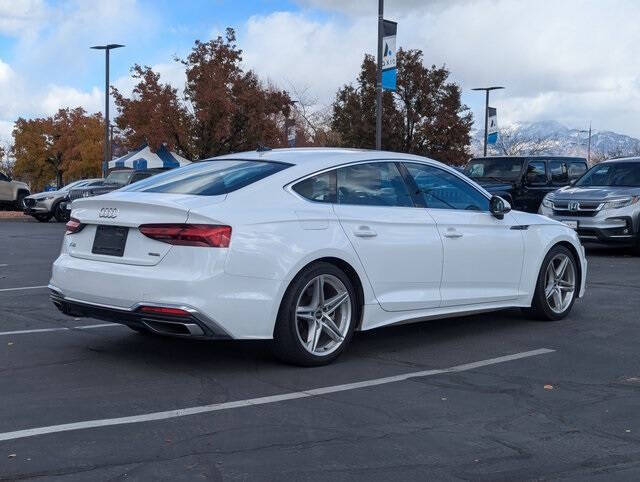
560	282
323	315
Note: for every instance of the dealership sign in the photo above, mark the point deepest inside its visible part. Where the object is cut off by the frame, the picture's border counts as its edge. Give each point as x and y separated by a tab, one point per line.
389	55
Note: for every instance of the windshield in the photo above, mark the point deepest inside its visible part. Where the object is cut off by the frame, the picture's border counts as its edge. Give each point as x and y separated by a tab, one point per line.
120	178
498	168
209	178
618	174
71	185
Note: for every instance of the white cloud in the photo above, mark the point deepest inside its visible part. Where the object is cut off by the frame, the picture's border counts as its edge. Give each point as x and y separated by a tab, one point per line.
59	97
571	61
21	17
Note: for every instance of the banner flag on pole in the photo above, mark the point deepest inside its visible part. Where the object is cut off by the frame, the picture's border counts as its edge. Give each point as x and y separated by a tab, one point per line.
492	129
389	54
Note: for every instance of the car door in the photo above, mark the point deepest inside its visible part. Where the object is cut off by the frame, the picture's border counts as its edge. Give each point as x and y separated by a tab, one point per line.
483	255
6	193
398	245
536	185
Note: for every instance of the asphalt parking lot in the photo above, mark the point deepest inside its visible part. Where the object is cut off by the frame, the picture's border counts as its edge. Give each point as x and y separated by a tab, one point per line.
493	396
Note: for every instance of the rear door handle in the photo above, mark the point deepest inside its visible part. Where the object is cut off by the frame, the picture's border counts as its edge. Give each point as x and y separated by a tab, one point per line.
365	232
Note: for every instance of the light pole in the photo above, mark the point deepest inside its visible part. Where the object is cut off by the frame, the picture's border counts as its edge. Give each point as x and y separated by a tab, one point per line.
379	77
107	146
589	145
486	112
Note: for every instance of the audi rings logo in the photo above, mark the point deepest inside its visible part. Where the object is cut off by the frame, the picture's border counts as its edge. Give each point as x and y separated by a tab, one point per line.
108	213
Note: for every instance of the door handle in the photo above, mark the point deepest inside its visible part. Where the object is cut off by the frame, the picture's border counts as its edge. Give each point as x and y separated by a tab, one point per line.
365	232
452	234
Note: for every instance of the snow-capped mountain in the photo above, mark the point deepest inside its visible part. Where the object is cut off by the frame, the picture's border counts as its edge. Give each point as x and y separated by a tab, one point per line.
554	138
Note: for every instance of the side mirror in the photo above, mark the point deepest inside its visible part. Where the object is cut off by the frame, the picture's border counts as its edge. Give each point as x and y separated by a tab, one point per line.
499	207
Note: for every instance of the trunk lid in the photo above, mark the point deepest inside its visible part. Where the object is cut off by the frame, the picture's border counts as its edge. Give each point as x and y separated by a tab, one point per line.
129	210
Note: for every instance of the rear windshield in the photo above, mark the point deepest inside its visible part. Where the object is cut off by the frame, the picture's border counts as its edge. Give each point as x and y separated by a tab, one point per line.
209	178
495	169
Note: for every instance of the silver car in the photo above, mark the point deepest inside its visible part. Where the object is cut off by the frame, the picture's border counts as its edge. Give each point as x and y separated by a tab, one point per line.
603	206
45	205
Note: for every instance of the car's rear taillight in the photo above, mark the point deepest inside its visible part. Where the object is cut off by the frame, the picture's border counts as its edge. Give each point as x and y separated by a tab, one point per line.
208	235
74	226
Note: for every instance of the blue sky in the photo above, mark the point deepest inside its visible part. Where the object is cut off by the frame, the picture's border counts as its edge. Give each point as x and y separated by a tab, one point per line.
556	58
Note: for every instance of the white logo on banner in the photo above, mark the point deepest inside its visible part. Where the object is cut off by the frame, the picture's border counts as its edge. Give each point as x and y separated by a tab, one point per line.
389	52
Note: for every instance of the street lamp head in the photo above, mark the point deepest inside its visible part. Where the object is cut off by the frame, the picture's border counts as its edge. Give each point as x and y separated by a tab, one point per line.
488	88
107	47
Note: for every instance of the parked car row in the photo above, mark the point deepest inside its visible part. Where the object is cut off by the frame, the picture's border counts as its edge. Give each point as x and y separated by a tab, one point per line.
602	204
57	204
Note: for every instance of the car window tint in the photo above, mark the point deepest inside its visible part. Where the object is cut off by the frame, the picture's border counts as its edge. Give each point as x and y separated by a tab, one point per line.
441	189
536	172
559	174
372	184
320	188
209	178
3	177
576	169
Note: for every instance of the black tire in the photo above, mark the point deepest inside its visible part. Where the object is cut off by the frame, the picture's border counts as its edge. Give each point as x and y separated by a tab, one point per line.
43	218
287	344
20	200
59	213
540	306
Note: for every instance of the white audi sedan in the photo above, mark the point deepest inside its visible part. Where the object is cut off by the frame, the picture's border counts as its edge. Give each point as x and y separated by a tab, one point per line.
306	246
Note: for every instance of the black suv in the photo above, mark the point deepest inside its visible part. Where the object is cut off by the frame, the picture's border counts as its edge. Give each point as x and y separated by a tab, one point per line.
524	181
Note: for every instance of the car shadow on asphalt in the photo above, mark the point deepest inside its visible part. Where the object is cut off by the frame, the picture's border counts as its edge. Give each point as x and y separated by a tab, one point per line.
179	354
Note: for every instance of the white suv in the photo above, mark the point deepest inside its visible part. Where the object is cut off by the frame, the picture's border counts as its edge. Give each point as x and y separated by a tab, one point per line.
12	193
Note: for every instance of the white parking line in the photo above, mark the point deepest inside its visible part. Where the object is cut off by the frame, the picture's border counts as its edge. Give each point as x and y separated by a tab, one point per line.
183	412
24	288
46	330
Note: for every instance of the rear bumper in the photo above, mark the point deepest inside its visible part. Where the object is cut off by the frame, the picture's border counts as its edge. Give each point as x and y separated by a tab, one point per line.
194	326
238	307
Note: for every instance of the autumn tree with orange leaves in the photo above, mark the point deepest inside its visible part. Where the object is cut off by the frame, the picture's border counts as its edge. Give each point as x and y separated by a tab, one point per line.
61	148
223	108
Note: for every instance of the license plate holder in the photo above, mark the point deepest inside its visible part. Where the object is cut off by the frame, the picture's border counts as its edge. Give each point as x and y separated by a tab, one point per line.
573	224
110	240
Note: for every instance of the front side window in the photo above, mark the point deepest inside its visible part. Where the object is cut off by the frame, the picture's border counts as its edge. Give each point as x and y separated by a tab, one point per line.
3	177
372	184
559	173
208	178
442	190
320	188
537	173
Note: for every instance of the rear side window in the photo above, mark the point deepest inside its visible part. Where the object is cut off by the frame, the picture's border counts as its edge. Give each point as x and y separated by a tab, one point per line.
209	178
559	174
320	188
576	169
537	172
372	184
